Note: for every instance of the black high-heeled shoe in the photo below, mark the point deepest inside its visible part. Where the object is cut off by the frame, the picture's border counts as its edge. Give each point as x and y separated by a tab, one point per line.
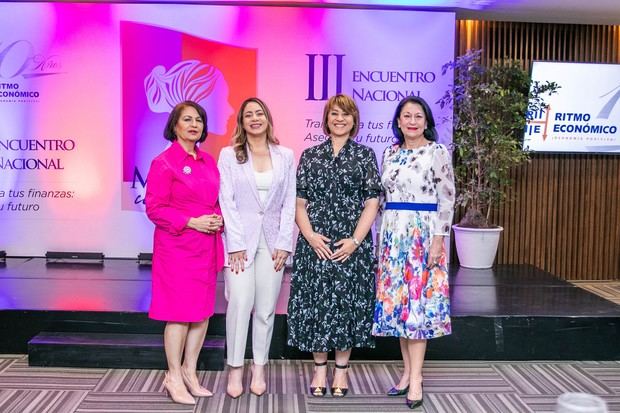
340	391
320	390
413	404
398	392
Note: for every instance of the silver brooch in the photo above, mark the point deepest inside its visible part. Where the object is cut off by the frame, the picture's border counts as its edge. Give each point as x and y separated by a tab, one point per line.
187	170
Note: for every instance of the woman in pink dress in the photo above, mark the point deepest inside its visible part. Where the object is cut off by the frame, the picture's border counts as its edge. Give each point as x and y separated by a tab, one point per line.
182	201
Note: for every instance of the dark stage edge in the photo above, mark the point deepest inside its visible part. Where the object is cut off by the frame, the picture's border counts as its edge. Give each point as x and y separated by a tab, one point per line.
114	350
510	312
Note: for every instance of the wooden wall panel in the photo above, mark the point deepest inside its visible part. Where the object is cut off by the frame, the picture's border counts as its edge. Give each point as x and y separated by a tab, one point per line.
564	216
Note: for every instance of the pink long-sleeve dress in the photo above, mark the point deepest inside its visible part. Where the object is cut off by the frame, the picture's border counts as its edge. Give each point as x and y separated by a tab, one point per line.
185	261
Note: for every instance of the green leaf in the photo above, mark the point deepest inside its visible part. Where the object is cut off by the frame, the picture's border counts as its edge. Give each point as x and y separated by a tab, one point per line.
490	105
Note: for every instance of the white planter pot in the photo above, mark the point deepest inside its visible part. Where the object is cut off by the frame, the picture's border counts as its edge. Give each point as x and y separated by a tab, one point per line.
476	247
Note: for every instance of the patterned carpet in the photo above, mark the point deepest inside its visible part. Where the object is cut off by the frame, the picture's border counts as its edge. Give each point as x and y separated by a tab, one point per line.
609	290
454	387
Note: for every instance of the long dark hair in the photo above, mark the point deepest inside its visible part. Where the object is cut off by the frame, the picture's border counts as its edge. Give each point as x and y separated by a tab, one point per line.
430	132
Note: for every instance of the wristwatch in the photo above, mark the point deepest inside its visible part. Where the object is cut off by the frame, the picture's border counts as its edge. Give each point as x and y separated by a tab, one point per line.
355	241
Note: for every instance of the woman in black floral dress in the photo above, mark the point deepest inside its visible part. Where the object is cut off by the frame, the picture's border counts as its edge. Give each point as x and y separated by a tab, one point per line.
333	283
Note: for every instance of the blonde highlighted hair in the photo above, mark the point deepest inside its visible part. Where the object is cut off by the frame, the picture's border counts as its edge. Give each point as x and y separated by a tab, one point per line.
240	139
348	105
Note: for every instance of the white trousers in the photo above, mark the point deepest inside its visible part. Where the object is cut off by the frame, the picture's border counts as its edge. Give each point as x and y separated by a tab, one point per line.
255	288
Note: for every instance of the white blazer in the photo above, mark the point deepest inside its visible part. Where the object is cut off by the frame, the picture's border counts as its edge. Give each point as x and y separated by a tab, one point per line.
244	213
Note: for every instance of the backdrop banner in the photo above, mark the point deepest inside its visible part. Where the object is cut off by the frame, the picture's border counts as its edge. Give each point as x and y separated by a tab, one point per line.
85	91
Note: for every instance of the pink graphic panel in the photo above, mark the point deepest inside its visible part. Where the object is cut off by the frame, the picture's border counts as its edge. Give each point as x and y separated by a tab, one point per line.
162	68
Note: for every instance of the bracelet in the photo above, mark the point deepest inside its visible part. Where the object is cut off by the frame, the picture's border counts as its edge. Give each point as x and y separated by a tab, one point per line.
355	241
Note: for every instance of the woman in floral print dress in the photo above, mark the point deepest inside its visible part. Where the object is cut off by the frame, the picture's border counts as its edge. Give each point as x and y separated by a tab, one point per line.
333	282
412	281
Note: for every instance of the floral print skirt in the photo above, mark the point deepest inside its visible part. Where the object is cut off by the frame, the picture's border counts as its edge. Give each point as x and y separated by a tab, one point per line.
331	304
412	300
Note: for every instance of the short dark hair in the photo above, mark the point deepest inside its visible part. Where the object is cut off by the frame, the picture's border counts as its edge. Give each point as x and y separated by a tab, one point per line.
430	132
174	116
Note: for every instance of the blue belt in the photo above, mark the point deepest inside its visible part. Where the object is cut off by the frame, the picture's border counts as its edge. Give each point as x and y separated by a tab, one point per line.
410	206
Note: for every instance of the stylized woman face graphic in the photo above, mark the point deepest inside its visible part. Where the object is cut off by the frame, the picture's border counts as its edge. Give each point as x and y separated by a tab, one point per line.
190	80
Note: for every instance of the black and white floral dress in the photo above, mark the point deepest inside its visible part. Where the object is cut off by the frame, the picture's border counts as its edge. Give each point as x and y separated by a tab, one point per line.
331	303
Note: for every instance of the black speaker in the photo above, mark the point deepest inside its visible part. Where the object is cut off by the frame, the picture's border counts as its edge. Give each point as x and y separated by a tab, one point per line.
68	257
145	259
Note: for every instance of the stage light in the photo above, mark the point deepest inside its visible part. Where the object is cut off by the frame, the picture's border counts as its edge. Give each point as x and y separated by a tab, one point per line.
145	259
68	257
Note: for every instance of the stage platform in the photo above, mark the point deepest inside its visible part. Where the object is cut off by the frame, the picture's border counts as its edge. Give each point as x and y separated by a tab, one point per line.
510	312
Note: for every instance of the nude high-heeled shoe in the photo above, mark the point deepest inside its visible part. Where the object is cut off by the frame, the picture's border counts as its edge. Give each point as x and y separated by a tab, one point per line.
195	389
234	388
177	393
261	388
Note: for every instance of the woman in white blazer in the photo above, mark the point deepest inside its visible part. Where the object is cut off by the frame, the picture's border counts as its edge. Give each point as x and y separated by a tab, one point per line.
257	197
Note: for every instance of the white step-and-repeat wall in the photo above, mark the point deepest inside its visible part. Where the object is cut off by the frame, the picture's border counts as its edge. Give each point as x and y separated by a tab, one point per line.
85	90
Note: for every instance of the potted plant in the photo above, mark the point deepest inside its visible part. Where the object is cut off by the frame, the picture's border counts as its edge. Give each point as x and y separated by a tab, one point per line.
490	107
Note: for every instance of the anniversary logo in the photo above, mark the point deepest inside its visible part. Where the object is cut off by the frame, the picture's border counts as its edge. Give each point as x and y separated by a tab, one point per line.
21	68
19	62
